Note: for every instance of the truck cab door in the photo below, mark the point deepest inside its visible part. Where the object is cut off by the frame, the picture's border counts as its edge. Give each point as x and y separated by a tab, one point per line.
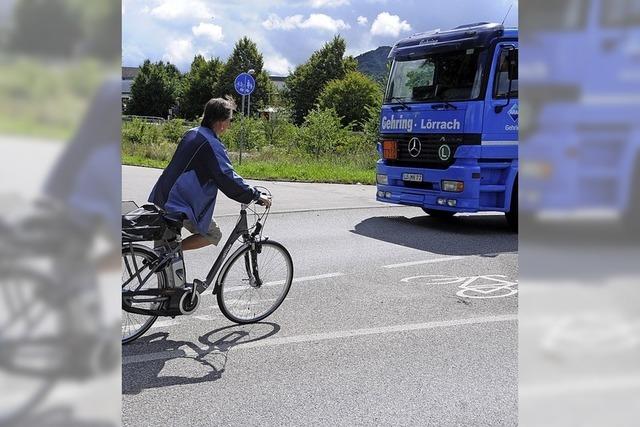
500	125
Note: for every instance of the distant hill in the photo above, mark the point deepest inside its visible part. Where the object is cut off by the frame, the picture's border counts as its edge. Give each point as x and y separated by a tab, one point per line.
374	63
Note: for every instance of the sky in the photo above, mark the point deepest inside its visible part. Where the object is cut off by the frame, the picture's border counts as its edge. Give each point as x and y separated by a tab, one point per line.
287	32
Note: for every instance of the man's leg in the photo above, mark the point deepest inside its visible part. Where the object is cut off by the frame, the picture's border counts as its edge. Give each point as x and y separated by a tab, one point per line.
195	241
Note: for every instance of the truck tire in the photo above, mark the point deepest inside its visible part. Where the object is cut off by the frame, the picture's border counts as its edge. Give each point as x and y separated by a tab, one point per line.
512	214
438	214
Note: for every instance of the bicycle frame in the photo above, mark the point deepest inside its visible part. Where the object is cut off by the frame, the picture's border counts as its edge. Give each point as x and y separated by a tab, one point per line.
241	229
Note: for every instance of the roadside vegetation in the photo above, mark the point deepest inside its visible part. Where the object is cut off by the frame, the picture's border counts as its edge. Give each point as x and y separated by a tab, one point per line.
322	127
320	150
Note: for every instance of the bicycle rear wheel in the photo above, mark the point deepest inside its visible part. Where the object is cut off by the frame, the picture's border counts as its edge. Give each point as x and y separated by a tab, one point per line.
138	258
254	282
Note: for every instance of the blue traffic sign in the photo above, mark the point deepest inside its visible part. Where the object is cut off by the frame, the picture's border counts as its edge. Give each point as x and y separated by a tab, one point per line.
244	84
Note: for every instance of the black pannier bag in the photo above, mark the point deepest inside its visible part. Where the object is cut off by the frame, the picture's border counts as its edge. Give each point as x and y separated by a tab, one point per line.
143	223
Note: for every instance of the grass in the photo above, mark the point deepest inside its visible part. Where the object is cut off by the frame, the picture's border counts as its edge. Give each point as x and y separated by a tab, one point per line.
348	163
307	171
339	171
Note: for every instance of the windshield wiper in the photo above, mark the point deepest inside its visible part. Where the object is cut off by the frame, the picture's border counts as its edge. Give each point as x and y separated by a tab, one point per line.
445	103
440	97
400	101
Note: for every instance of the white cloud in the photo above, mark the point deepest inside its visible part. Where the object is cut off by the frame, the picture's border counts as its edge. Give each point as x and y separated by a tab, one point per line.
386	24
274	22
278	65
317	21
362	20
179	52
324	22
211	31
316	4
169	10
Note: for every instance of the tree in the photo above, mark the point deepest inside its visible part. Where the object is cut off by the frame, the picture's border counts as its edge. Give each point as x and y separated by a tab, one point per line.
154	89
352	98
198	86
245	56
309	79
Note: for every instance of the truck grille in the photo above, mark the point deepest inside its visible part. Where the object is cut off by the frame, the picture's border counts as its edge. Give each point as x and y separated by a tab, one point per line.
429	149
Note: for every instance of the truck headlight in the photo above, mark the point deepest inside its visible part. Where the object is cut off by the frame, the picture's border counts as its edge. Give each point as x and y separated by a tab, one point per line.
453	186
382	179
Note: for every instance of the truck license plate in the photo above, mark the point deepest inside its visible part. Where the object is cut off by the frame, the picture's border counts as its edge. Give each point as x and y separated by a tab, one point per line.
415	177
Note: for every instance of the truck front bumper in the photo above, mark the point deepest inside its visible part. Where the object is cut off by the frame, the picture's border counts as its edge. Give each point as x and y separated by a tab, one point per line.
427	193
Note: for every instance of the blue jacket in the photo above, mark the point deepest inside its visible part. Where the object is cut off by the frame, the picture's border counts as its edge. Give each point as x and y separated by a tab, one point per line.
189	185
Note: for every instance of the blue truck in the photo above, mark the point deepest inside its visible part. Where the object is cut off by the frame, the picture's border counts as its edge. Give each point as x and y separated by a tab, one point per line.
448	136
581	135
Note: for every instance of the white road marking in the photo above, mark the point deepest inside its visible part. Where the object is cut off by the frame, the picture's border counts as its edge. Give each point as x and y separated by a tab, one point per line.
207	317
295	280
426	261
326	336
488	286
491	286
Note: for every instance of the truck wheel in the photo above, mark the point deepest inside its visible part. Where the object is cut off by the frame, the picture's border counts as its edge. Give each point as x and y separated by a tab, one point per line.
438	214
512	215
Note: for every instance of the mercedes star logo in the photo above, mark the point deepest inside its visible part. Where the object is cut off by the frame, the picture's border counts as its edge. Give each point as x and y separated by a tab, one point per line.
414	147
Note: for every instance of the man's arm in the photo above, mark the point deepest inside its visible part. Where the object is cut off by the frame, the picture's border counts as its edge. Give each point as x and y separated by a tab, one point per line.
227	180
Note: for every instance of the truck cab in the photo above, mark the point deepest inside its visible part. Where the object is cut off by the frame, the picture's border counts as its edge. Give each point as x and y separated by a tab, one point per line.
449	122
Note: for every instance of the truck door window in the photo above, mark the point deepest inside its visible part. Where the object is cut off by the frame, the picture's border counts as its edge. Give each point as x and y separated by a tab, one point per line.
502	78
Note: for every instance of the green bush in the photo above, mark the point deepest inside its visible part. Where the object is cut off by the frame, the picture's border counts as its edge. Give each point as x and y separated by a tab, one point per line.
134	131
322	132
351	97
173	130
248	130
280	132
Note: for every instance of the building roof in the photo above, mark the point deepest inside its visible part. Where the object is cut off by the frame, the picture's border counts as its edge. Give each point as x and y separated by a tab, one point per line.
129	73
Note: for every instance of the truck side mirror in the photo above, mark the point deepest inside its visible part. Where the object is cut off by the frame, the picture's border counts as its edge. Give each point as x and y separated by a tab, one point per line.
512	61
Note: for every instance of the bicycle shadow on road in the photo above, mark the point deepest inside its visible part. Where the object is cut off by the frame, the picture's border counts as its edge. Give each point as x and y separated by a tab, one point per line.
460	235
202	363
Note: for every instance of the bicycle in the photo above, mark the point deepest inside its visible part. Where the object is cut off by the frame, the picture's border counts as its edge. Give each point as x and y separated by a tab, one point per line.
260	269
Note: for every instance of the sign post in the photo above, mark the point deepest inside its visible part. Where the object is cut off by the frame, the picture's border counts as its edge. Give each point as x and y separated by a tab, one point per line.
244	84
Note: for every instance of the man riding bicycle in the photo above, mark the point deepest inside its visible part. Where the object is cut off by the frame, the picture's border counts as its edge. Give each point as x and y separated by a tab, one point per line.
188	187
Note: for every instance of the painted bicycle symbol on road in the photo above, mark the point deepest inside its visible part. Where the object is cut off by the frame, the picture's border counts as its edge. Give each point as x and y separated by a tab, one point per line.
488	286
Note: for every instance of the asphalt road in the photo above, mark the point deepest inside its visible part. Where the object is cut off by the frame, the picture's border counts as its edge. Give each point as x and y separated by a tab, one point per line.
394	318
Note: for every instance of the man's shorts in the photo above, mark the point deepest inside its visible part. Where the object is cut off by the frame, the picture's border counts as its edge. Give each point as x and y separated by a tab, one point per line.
213	235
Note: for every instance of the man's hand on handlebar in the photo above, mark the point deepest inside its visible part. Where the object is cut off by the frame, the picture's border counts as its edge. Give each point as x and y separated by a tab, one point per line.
264	200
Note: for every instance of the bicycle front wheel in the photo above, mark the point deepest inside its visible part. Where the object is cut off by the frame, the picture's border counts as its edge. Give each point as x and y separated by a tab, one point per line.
254	282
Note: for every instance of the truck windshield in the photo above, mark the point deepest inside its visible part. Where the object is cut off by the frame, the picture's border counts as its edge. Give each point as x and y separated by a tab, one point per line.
450	76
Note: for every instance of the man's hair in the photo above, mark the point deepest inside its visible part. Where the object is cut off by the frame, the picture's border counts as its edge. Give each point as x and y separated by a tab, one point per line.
218	110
